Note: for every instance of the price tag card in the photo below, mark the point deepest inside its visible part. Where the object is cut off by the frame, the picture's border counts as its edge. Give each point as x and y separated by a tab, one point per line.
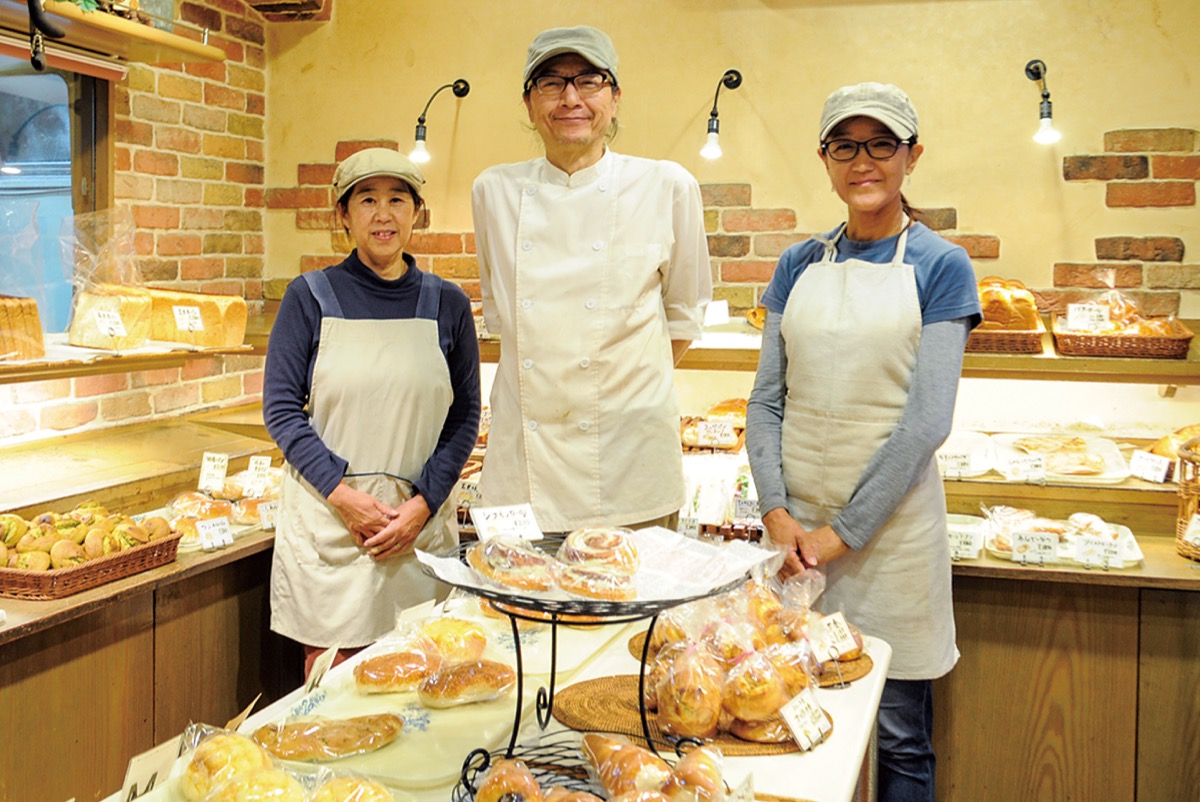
806	719
109	322
214	533
1150	467
744	792
1087	317
715	433
320	666
1026	468
831	637
513	520
150	769
1039	548
259	472
1191	535
954	463
745	510
267	512
964	544
213	468
187	318
689	526
1100	551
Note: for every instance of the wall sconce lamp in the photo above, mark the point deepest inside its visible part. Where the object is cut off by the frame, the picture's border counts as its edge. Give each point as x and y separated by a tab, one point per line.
1046	134
732	79
419	154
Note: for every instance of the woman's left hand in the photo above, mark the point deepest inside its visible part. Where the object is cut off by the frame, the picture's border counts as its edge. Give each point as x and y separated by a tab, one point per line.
821	546
400	533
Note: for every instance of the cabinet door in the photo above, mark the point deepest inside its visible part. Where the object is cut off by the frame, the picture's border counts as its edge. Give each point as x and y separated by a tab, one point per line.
1043	703
1169	696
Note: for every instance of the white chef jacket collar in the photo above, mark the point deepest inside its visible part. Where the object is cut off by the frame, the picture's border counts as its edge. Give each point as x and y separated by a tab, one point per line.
588	175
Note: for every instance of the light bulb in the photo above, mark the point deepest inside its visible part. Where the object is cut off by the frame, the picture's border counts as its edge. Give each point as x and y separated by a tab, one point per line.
1046	134
419	154
712	146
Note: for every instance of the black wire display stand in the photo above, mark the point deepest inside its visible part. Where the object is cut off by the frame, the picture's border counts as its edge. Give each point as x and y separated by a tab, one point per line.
559	758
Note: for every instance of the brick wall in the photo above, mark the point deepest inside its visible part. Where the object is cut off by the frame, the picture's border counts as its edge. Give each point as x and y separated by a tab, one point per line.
189	165
1142	169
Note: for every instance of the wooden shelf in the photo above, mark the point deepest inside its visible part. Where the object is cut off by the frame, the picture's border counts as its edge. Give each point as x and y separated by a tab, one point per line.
12	373
110	35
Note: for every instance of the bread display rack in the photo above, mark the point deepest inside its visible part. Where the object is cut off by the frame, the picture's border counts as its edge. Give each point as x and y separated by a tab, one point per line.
560	758
1189	496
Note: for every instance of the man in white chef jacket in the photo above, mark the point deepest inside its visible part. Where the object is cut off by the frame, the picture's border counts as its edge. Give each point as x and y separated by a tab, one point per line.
594	272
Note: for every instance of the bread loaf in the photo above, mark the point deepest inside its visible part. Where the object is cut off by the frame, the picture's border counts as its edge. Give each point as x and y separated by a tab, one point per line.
1169	446
95	308
1007	305
698	777
20	329
398	671
219	759
352	789
218	321
329	739
469	681
621	767
508	781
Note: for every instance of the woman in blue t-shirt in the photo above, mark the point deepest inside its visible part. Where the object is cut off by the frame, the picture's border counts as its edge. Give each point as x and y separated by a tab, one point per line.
861	356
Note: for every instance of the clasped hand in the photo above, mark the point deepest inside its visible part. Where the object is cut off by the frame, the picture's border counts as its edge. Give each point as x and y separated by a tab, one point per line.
381	530
803	548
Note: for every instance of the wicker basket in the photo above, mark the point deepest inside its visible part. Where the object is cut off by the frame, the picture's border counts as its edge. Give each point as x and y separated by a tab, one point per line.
60	582
1189	495
997	341
1127	345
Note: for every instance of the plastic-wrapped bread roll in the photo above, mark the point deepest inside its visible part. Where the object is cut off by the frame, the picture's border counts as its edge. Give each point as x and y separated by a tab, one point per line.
261	785
621	767
352	789
469	681
508	781
200	319
95	316
400	670
698	777
689	697
753	688
218	759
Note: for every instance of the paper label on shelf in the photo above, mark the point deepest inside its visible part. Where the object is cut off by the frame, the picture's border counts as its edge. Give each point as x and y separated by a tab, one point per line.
1150	467
109	322
512	520
715	433
1026	468
1087	317
689	526
806	719
1099	551
259	471
964	544
831	637
267	511
744	792
321	665
716	313
150	769
214	533
1038	548
1191	535
213	469
745	510
954	463
187	318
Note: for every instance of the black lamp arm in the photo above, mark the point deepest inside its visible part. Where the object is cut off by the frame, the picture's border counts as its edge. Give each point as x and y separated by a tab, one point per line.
460	88
732	79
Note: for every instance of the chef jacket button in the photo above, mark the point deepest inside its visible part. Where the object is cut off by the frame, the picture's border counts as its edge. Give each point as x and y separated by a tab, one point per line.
533	426
526	303
602	186
530	190
597	245
590	303
527	364
583	363
583	426
527	245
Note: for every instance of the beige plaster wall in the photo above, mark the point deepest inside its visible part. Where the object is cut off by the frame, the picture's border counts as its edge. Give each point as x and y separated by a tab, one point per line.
1112	64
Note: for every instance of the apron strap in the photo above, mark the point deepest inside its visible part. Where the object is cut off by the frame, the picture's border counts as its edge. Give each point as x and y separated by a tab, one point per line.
322	290
429	301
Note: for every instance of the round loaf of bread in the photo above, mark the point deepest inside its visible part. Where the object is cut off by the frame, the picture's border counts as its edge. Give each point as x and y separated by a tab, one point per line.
608	546
456	639
596	581
218	759
463	683
753	689
513	563
771	730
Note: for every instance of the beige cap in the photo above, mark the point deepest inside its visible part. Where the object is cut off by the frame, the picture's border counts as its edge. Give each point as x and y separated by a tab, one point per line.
591	43
882	102
372	162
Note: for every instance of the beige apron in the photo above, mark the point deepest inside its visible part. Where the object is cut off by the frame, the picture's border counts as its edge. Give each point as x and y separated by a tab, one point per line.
851	331
380	394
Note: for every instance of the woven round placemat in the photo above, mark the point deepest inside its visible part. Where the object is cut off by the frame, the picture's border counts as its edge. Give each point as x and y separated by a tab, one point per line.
851	670
609	704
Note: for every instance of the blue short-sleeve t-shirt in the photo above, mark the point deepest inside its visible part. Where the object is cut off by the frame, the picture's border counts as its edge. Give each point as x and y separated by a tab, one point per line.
946	285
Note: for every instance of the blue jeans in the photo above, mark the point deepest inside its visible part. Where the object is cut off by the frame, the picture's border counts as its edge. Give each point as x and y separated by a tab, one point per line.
906	759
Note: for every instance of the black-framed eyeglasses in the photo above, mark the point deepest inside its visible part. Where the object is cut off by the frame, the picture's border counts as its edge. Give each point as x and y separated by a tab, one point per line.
880	148
585	83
